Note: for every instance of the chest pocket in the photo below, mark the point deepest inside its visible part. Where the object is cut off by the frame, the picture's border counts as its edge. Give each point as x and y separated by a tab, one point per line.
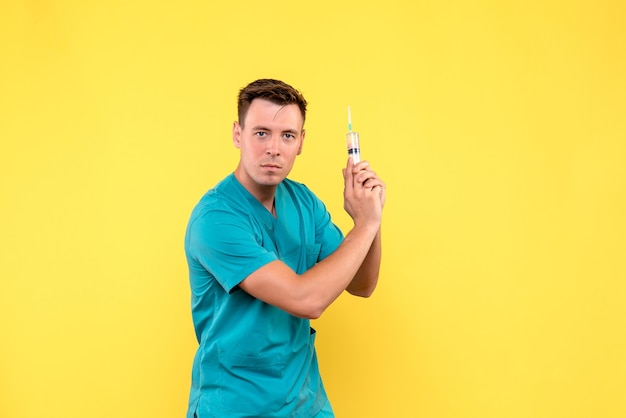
312	254
302	259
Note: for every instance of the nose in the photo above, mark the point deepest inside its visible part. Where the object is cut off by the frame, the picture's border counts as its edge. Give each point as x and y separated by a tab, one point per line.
273	145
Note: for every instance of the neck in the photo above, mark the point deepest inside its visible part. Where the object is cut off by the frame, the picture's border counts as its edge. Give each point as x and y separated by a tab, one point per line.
264	194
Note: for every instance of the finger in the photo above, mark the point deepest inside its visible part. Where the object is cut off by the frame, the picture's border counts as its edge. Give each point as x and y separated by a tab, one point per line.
362	165
366	175
373	182
348	176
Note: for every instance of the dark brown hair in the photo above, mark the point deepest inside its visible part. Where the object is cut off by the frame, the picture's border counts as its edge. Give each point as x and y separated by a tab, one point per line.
275	91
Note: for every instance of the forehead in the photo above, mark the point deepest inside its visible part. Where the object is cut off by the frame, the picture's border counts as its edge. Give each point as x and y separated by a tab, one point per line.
264	112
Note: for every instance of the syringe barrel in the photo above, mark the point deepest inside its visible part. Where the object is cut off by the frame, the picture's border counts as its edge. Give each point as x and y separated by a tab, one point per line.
354	148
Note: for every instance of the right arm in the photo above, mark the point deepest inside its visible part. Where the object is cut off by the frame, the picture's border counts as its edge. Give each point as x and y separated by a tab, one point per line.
309	294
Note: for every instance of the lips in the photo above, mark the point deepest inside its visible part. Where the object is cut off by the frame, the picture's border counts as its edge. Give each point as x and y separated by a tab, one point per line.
271	166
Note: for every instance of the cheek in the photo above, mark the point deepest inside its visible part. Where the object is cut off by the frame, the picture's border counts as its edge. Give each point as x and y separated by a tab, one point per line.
292	158
251	150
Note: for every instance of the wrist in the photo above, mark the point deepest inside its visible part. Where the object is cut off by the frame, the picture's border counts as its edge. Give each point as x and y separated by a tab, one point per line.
369	227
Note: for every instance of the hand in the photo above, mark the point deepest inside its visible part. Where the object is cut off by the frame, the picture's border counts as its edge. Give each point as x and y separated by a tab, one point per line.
364	192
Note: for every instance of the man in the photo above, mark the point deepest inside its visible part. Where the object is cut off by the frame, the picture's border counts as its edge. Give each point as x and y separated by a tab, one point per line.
264	258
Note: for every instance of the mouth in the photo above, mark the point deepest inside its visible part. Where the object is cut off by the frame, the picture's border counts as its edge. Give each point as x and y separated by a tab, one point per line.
271	166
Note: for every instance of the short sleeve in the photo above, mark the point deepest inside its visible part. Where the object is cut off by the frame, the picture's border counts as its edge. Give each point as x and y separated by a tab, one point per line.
227	246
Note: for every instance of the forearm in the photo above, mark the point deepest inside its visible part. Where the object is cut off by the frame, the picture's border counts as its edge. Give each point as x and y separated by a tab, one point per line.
366	278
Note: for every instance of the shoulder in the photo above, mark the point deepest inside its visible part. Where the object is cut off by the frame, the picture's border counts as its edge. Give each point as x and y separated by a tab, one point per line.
220	206
223	195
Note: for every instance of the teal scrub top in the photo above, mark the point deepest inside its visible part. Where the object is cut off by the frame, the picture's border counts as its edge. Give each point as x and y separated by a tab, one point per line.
253	359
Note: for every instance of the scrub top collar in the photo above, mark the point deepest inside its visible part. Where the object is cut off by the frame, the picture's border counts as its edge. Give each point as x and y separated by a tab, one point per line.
268	219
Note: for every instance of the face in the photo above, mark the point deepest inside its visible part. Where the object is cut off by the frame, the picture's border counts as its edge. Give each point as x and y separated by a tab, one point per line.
269	142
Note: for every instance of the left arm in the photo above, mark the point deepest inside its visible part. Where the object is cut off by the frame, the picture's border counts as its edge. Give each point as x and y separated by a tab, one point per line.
366	278
364	281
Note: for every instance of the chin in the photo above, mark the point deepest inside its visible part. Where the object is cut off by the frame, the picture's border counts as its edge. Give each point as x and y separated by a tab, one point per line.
269	181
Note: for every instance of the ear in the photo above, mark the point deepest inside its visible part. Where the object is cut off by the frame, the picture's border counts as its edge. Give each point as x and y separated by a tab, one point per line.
236	134
301	142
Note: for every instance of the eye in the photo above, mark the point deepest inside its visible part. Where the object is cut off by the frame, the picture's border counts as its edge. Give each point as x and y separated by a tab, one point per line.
261	134
289	137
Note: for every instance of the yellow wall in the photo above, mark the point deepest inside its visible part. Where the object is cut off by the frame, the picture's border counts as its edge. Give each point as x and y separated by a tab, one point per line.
499	127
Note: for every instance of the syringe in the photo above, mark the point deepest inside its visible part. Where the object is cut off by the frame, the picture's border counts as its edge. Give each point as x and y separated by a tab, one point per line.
352	141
